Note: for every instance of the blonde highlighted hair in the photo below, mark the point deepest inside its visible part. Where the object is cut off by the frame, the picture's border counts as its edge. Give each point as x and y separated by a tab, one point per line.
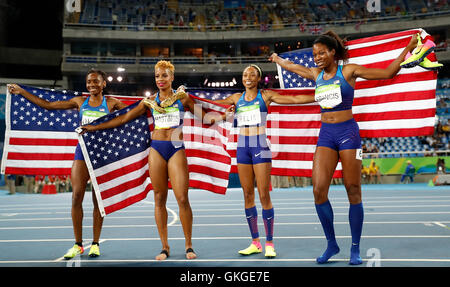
165	65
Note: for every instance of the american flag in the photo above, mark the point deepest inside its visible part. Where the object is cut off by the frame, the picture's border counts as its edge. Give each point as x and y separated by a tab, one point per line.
400	107
117	160
39	141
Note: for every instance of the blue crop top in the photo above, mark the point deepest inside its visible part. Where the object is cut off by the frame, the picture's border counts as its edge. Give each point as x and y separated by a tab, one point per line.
173	117
89	114
251	113
334	94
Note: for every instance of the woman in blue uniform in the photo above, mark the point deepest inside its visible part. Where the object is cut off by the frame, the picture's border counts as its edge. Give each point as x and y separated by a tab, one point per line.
253	155
167	153
90	108
339	134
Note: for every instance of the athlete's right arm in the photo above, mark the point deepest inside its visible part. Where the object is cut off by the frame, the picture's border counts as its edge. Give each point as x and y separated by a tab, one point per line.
73	103
118	121
304	72
231	101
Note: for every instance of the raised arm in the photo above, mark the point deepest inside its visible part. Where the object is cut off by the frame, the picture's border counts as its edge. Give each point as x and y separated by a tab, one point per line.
380	74
273	96
73	103
140	109
308	73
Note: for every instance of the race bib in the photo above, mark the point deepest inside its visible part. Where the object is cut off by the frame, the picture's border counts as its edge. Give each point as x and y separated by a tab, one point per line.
90	116
165	121
248	116
328	96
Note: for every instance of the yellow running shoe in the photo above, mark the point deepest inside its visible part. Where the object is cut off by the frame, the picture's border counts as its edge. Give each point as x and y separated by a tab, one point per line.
270	251
74	251
433	66
94	251
419	53
252	249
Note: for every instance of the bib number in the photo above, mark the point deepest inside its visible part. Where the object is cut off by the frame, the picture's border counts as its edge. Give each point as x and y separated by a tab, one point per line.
328	96
168	120
90	116
248	116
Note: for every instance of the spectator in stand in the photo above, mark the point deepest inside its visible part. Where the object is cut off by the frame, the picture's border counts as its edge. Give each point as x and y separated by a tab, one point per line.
374	173
29	183
440	166
409	172
11	183
39	181
62	183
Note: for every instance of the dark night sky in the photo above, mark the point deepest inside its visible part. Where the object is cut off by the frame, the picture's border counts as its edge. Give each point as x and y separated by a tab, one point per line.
35	24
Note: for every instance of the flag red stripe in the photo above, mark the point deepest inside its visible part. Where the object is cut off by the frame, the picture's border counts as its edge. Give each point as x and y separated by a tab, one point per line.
294	125
40	156
123	170
424	131
127	202
300	140
124	186
307	109
395	115
43	142
395	97
208	170
300	156
207	186
37	171
381	37
402	78
380	48
207	155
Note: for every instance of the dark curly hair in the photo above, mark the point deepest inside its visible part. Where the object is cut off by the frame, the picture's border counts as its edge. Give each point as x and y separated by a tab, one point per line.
333	41
98	72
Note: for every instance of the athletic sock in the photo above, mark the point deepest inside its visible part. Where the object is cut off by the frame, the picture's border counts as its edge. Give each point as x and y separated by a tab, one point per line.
325	213
79	244
356	218
95	243
252	219
268	218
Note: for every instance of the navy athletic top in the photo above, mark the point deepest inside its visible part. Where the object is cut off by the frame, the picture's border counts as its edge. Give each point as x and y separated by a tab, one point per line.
251	113
89	114
334	94
173	117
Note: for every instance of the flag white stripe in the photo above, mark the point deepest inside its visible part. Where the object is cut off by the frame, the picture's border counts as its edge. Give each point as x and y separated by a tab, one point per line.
210	180
40	163
376	42
124	195
41	149
121	163
375	58
43	134
397	124
209	163
395	106
123	178
400	87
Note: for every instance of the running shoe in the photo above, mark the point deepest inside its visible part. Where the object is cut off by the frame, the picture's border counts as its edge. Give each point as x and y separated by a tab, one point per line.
172	99
419	53
252	249
270	251
153	105
433	66
427	64
94	251
74	251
